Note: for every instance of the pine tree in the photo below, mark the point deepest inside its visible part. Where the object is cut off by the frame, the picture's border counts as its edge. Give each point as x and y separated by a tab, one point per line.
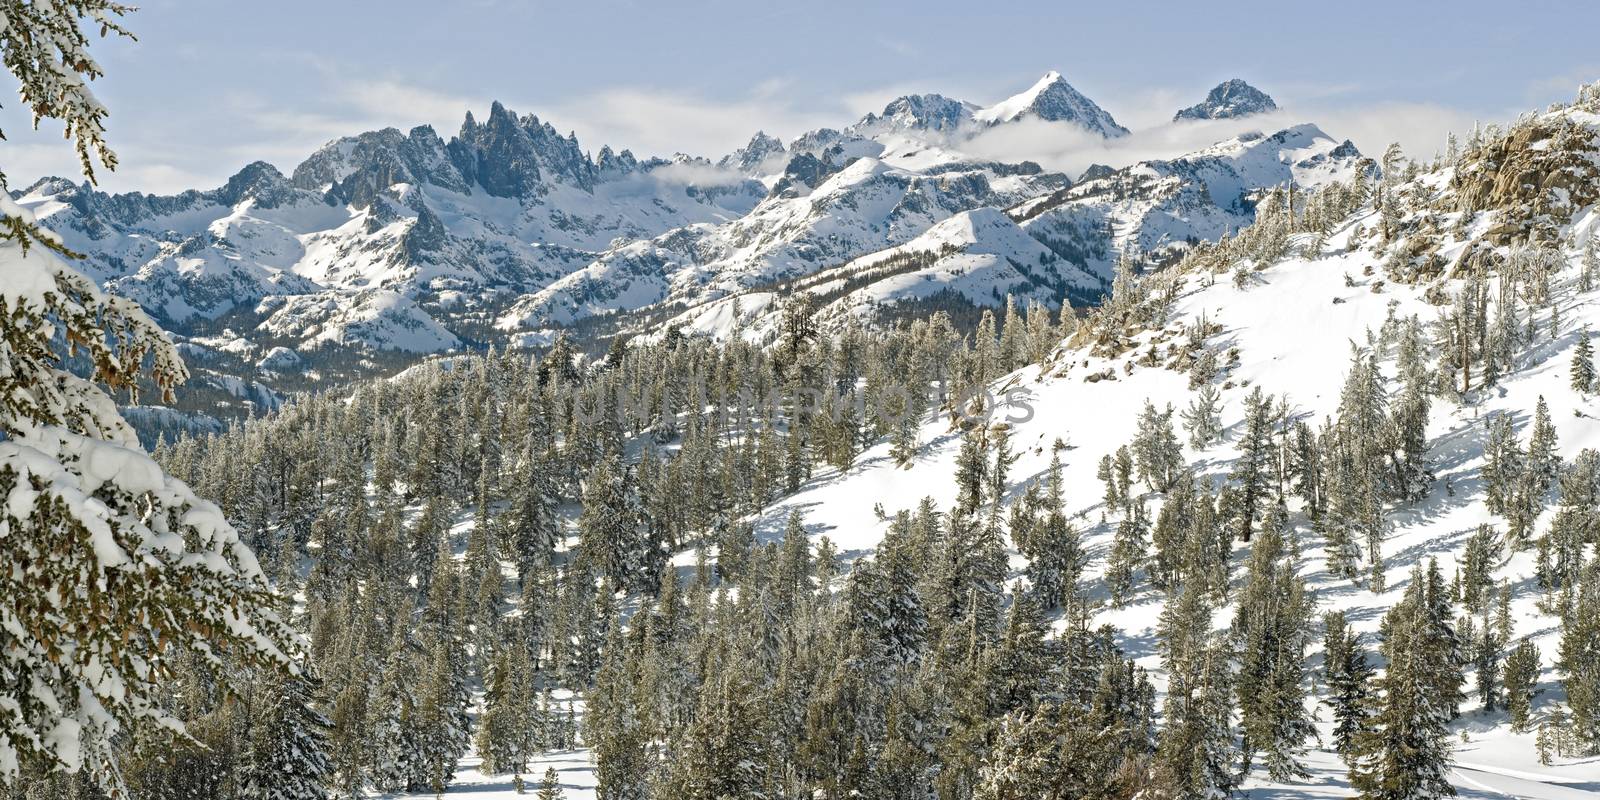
1522	675
505	735
1405	752
1590	271
1579	661
1583	364
288	752
611	532
1129	552
1156	453
1203	419
1347	674
1358	456
396	761
1252	473
1543	462
443	698
550	786
1271	628
114	566
1487	658
1054	549
1198	750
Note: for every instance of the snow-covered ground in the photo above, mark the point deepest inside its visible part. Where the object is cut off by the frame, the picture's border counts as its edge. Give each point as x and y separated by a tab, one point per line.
1293	327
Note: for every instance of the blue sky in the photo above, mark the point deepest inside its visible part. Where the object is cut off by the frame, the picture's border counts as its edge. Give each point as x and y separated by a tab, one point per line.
212	85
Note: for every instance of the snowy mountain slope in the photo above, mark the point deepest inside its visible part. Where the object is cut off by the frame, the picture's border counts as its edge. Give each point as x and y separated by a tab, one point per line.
508	229
862	208
1291	321
1065	244
1159	206
927	113
980	256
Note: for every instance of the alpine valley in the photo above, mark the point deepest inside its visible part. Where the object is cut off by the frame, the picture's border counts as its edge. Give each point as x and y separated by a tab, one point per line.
961	452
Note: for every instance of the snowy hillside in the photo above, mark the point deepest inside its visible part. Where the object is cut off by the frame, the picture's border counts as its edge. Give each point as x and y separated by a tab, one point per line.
1159	207
1288	328
981	256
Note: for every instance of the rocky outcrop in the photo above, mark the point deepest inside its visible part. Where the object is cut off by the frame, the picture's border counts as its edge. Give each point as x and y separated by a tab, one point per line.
1537	175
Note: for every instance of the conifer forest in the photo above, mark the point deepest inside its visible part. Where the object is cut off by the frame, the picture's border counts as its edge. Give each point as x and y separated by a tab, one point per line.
886	462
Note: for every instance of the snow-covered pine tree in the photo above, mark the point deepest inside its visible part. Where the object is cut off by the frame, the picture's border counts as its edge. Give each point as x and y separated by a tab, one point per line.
611	532
1408	428
1590	271
395	757
1271	629
550	786
1056	558
1522	675
444	726
1156	452
1129	552
1346	674
1544	463
1582	371
1579	661
287	757
1198	752
1405	753
1203	419
1252	473
113	564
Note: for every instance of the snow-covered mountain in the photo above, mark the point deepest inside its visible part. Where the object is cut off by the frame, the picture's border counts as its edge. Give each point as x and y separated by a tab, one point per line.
1052	99
1230	99
384	246
917	112
1053	247
1158	206
864	207
502	209
979	257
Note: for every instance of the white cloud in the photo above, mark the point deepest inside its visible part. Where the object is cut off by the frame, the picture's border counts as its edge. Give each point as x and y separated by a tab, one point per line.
1070	149
1420	128
658	122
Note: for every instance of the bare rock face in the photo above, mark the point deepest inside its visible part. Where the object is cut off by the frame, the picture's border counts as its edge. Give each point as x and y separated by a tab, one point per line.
1538	175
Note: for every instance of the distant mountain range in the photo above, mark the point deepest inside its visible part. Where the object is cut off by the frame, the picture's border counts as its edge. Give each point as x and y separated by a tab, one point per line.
386	246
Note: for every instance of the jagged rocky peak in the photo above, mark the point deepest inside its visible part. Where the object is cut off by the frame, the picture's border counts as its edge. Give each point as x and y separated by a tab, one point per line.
1052	99
260	181
355	169
750	158
816	141
612	164
1230	99
504	155
917	112
1095	172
